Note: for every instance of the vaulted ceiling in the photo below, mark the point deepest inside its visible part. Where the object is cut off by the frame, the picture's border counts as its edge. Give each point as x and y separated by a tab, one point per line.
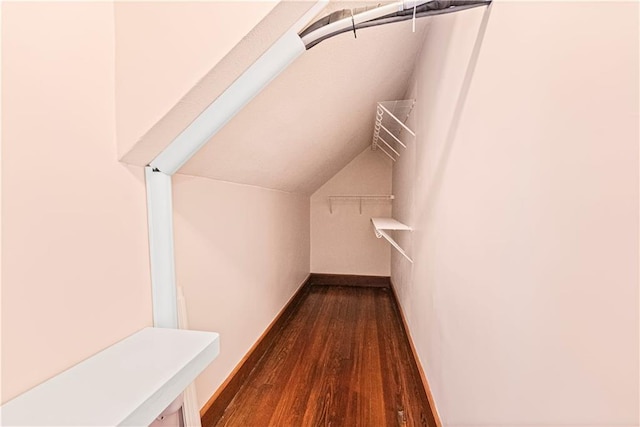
314	118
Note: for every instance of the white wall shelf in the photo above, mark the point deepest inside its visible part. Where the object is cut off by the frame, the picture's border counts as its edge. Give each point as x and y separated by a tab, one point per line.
129	383
390	126
359	198
382	225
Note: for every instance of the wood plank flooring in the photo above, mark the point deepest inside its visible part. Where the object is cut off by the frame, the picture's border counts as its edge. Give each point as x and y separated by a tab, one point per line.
342	359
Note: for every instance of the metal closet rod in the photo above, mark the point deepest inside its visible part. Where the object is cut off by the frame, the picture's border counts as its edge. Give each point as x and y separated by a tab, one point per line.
347	20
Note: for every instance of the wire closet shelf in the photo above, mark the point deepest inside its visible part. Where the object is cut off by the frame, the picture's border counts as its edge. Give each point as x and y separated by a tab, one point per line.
390	129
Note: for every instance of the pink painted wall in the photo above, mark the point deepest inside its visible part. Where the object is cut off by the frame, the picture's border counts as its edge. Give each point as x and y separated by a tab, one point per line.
75	267
241	253
523	298
343	242
164	48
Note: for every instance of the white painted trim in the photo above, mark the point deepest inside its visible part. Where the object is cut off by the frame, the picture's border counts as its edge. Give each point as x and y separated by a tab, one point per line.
161	253
278	57
266	68
128	384
380	225
190	409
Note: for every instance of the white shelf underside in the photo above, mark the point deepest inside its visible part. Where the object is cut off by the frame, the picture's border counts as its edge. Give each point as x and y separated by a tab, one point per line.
382	225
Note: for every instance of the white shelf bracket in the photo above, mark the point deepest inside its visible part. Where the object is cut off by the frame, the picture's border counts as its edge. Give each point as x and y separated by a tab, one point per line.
382	225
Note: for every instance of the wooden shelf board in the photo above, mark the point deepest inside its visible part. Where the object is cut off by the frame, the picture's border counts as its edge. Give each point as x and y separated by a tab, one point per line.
129	383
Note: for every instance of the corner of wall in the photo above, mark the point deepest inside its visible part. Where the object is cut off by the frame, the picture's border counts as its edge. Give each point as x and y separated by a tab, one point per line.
343	241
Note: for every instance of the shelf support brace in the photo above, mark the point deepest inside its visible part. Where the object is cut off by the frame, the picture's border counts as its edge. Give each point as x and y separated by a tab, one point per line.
380	233
382	225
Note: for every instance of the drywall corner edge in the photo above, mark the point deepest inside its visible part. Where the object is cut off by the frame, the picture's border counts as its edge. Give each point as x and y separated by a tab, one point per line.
161	248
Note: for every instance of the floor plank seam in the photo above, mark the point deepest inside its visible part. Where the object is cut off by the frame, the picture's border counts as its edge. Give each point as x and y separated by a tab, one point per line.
341	357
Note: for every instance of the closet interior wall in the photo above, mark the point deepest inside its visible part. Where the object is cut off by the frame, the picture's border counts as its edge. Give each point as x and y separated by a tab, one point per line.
342	238
75	255
241	253
523	297
524	213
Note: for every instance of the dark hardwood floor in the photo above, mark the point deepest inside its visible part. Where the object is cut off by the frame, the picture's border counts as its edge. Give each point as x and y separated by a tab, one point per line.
342	359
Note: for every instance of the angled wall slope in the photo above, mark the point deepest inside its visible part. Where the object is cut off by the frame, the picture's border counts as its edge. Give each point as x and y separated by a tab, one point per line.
163	50
523	296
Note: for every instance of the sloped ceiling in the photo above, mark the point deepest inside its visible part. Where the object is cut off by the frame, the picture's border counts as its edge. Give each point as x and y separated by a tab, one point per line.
315	117
175	118
163	50
318	115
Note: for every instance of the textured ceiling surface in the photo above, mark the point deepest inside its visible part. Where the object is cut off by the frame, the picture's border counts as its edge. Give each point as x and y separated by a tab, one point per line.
317	115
